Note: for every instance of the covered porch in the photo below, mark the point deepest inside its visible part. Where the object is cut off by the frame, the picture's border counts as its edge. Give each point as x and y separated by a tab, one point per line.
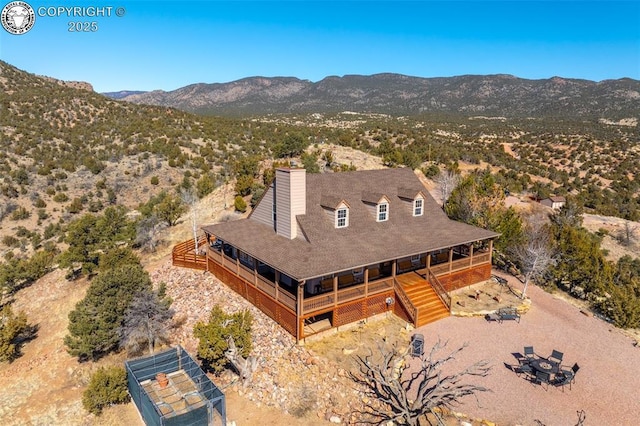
346	296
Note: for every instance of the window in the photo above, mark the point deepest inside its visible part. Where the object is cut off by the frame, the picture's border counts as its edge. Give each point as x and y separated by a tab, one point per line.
342	217
417	206
383	212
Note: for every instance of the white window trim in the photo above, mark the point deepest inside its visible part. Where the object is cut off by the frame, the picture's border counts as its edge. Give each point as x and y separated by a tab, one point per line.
346	218
379	212
415	207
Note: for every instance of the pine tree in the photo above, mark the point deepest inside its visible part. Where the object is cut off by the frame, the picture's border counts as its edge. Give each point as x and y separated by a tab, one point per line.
95	322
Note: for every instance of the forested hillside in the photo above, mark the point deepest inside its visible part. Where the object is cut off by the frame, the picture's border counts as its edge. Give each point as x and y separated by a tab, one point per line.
396	94
72	158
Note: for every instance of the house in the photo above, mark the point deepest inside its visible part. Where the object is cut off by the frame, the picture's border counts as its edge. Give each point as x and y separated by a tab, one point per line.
555	202
324	250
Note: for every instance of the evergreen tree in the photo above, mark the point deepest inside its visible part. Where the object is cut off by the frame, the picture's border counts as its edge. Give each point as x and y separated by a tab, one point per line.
95	322
213	336
478	200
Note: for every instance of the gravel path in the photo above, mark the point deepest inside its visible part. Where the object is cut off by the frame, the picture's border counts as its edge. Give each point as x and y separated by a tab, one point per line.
606	386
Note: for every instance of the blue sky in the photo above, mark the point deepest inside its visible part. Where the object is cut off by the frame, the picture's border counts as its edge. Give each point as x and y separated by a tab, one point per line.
170	44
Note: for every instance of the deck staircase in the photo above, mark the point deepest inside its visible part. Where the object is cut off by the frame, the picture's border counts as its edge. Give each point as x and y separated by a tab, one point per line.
429	306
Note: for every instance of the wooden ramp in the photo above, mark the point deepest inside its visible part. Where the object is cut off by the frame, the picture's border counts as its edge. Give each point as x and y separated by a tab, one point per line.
424	298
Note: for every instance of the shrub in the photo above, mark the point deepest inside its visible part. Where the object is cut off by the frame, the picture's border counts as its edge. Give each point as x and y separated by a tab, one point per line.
213	336
20	214
94	166
108	386
60	197
205	185
10	241
39	203
76	206
13	330
244	184
155	180
240	204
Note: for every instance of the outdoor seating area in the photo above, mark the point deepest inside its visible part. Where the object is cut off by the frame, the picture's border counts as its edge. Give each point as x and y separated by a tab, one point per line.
504	314
545	371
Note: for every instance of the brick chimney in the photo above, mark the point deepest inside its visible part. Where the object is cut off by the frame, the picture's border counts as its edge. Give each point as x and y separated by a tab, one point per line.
290	200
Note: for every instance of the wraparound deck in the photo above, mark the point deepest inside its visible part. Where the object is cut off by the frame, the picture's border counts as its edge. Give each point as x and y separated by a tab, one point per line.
343	298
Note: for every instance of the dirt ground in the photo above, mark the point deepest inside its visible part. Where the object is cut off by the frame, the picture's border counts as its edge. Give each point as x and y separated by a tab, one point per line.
33	394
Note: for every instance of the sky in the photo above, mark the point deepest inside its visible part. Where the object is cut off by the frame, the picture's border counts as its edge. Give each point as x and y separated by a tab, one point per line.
149	45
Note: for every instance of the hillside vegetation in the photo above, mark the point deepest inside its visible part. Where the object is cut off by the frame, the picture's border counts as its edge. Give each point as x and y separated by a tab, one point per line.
88	183
68	151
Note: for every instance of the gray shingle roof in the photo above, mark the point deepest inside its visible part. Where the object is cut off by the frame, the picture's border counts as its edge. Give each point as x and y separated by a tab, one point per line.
365	241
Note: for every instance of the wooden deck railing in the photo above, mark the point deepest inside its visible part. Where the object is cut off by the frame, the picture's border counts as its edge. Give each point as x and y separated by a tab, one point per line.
460	264
184	255
248	275
348	294
405	301
439	289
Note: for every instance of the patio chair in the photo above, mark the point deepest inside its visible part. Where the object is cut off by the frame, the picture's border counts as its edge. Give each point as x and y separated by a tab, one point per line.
556	356
528	352
523	368
543	379
563	380
568	376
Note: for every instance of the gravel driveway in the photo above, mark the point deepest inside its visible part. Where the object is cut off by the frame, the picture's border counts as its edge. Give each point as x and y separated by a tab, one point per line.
607	386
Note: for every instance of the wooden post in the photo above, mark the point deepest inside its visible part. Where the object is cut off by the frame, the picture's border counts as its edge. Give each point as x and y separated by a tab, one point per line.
335	290
255	272
471	254
366	281
299	313
277	280
490	249
428	261
394	267
450	259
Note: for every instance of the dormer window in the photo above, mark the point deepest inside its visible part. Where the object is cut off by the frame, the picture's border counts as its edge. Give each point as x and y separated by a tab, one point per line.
383	212
418	206
342	217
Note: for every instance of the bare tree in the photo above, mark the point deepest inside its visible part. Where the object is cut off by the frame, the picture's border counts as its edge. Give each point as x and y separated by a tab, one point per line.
402	393
146	322
534	255
627	235
446	181
244	366
148	233
190	198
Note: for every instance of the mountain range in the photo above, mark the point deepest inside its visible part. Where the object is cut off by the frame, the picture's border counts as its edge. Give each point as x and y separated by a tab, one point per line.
396	94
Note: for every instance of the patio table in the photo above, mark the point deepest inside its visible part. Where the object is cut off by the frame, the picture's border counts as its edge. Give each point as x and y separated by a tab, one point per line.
545	366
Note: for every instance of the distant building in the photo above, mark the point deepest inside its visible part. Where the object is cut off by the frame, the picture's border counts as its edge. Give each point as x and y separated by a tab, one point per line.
555	202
